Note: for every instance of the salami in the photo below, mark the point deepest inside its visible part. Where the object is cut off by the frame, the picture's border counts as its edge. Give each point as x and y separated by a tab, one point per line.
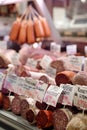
80	78
44	119
7	102
64	77
45	79
61	117
24	107
1	99
31	115
41	106
79	122
15	106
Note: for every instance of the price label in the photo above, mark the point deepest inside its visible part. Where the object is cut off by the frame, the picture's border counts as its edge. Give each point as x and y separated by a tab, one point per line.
3	45
71	49
15	58
51	71
40	90
11	83
80	97
45	62
31	86
67	94
20	86
85	65
52	95
76	62
31	62
2	77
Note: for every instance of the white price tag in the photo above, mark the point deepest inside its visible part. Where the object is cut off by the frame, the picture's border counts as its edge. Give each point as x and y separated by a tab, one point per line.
3	45
2	77
31	86
80	97
71	49
11	83
15	58
45	62
76	62
52	95
31	63
51	71
85	65
67	95
20	86
40	90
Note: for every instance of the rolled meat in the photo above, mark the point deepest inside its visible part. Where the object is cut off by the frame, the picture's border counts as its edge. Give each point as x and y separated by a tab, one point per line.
44	119
16	105
7	102
41	106
64	77
61	117
80	78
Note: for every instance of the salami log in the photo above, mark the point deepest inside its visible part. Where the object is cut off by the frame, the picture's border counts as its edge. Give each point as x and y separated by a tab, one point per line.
80	78
23	32
30	32
39	32
41	106
15	106
7	102
61	117
1	99
64	77
79	122
15	30
45	79
44	119
24	107
31	115
4	62
45	26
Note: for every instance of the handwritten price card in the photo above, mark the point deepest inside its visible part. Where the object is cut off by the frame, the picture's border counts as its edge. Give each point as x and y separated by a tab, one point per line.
67	94
52	95
40	90
2	77
80	97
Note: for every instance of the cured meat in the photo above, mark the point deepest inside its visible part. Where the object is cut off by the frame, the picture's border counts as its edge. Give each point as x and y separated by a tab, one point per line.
64	77
46	27
16	105
45	79
80	78
41	106
79	122
61	117
30	32
23	32
7	102
39	32
15	30
4	62
24	107
1	99
31	115
44	119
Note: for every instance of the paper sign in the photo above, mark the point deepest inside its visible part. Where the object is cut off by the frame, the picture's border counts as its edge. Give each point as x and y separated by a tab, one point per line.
31	86
54	47
3	45
45	62
76	62
67	95
85	65
15	58
80	97
51	71
11	83
52	95
71	49
20	86
31	63
2	77
40	90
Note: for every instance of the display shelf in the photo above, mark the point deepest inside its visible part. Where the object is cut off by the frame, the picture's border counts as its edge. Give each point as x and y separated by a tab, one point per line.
14	121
